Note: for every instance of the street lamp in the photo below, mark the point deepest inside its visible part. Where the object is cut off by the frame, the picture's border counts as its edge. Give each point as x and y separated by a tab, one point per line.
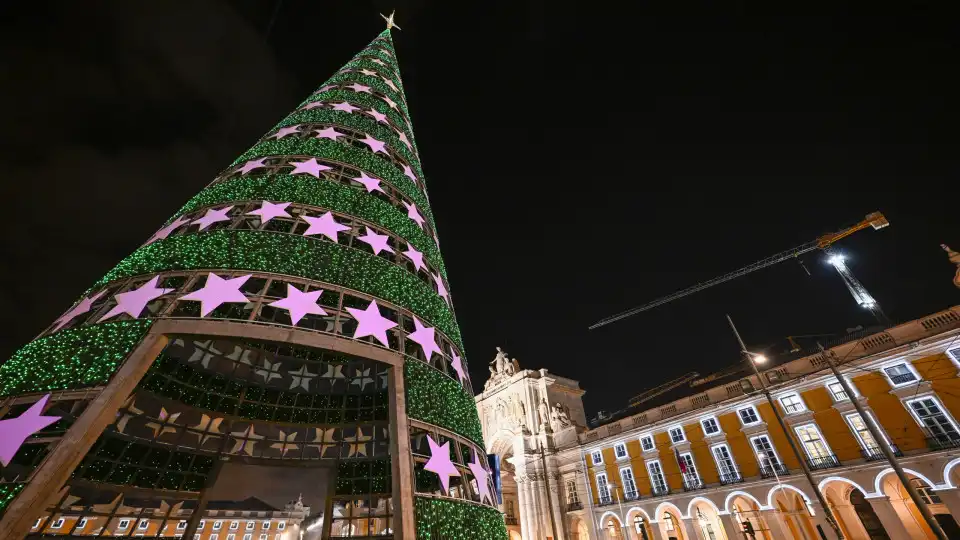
756	357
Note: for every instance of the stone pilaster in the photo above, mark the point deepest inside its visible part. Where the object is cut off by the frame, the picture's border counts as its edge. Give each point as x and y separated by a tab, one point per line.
888	516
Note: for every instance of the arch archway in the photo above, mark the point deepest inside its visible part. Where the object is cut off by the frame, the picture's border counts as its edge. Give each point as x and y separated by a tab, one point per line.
745	509
502	445
794	508
578	529
611	527
639	524
889	485
706	518
849	506
951	473
669	517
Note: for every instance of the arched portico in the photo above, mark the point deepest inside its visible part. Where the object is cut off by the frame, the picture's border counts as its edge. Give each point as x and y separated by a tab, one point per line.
640	524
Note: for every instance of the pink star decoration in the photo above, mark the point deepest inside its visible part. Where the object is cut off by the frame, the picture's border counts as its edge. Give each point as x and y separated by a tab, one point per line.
309	166
325	225
378	61
251	165
390	102
408	172
299	303
356	87
389	83
441	290
426	337
133	302
375	145
403	139
14	431
415	256
283	132
414	214
81	308
165	232
345	107
212	216
440	463
371	323
372	184
368	72
325	88
457	364
378	115
216	291
328	133
481	474
313	105
378	242
269	210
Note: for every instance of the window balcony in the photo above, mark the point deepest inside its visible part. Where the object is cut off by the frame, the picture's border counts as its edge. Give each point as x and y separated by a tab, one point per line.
574	506
605	501
943	442
659	491
773	470
692	484
511	520
902	378
874	453
732	478
823	462
631	495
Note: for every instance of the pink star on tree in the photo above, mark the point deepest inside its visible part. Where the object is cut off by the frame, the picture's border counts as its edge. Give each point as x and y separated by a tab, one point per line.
390	102
426	337
378	115
378	242
378	61
368	72
133	302
283	132
403	139
313	105
480	473
408	172
216	291
310	167
251	165
440	463
212	216
375	145
415	256
165	232
390	84
299	303
371	323
356	87
441	290
371	184
325	88
15	431
457	364
81	308
328	133
414	214
345	107
269	210
325	225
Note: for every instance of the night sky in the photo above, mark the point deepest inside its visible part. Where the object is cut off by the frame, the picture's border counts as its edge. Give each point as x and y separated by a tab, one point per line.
579	161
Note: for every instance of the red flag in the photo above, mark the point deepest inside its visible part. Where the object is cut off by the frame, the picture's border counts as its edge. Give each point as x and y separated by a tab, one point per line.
681	462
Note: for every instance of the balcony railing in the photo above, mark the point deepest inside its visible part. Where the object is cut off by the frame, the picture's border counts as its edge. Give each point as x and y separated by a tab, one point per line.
903	378
823	462
659	491
605	501
576	505
773	470
631	495
874	453
511	520
692	484
732	478
942	442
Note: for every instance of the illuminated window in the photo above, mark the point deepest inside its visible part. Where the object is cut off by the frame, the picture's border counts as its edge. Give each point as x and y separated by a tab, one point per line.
234	525
597	457
144	523
813	442
37	524
748	415
676	434
792	404
124	523
900	374
837	392
710	426
57	524
266	525
929	497
691	478
182	525
620	450
217	525
603	488
725	464
765	451
638	523
646	442
612	528
82	523
859	427
628	483
668	522
202	523
930	414
251	525
572	496
281	525
657	480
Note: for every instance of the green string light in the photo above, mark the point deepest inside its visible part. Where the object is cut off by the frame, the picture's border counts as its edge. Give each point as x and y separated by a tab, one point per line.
439	400
455	520
7	493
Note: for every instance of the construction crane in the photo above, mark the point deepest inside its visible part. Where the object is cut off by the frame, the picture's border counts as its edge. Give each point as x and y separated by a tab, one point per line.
874	219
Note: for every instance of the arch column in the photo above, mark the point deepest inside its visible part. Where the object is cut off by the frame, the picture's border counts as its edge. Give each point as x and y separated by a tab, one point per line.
691	529
655	532
776	524
951	499
889	517
731	528
820	520
523	504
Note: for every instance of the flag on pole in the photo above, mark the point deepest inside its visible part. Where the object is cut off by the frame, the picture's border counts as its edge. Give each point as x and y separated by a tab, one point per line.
680	461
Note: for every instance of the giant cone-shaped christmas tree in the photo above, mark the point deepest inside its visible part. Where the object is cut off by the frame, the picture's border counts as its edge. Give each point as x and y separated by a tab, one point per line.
293	313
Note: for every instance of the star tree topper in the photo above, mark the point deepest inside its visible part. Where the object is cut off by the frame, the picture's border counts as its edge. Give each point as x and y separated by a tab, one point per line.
14	431
390	23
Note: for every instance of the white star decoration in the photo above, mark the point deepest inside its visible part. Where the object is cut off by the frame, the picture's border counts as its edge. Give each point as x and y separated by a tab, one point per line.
358	444
286	442
269	371
301	378
362	379
244	441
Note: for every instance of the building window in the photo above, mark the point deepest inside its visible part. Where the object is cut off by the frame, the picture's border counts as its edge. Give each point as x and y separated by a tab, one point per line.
837	392
725	465
266	525
628	483
792	404
955	355
572	496
509	507
202	523
276	536
248	536
234	525
57	524
620	450
263	537
813	442
748	415
603	488
668	522
251	525
37	524
217	525
597	457
929	497
124	523
281	525
765	451
612	528
213	537
691	478
182	525
231	537
932	417
143	524
82	523
860	430
196	536
638	525
646	442
676	434
657	480
900	374
710	426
